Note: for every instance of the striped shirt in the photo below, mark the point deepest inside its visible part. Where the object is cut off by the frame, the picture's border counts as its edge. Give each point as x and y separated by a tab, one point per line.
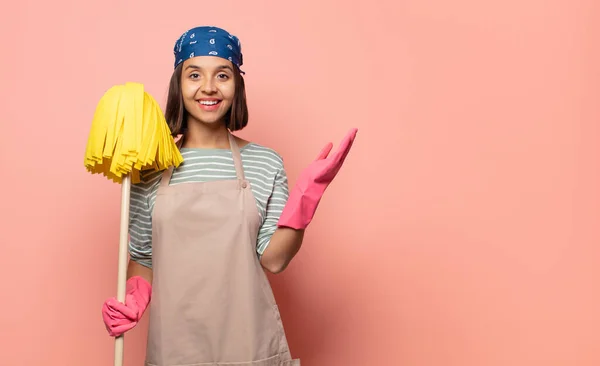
263	167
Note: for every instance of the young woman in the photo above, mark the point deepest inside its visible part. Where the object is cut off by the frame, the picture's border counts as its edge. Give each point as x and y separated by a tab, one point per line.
202	234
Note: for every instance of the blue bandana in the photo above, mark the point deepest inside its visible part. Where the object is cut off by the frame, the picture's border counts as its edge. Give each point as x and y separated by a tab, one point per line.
208	41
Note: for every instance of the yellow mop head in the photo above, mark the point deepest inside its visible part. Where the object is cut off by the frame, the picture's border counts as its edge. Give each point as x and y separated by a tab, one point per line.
129	133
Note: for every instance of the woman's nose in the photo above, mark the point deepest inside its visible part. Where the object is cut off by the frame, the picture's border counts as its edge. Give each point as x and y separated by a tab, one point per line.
208	86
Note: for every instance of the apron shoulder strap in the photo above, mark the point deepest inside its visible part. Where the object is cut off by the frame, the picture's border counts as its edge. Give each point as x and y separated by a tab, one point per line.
237	157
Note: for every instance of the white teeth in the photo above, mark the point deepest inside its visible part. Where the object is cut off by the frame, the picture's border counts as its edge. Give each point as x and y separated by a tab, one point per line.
205	102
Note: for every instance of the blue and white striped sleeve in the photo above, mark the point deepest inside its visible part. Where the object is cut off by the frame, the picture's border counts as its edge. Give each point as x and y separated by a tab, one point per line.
275	205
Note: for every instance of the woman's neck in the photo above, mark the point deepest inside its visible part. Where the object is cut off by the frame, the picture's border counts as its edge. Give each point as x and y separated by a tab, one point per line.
204	136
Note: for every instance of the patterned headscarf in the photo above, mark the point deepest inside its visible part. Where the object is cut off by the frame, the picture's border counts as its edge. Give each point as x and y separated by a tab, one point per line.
208	41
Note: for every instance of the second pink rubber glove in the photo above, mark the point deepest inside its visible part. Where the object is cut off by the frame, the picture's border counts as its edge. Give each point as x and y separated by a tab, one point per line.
120	318
311	184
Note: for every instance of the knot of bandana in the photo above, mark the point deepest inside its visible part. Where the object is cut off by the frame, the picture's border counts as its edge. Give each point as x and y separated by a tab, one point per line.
208	41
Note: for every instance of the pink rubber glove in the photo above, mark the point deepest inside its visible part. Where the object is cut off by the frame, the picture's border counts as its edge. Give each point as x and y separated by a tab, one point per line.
120	318
311	184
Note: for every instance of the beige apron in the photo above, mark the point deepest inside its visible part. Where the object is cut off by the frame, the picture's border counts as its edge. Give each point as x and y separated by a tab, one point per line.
212	303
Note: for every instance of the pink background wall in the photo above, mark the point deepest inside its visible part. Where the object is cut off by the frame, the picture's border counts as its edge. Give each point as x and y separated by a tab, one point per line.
463	229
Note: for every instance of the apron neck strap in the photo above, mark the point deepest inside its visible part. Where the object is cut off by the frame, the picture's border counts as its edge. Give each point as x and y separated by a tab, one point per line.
166	177
237	157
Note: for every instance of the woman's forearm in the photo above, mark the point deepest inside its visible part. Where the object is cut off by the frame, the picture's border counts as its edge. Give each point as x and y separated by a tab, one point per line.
284	245
136	269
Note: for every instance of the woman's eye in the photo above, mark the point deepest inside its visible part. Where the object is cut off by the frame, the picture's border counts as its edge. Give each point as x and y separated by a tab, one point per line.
194	76
223	76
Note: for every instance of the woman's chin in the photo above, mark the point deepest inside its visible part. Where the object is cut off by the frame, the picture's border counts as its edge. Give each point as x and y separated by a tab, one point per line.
208	120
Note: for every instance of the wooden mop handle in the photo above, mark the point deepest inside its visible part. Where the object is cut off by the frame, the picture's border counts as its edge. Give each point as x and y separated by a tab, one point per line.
122	270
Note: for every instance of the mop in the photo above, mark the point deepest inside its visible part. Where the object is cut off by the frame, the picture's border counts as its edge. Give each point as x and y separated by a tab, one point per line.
129	134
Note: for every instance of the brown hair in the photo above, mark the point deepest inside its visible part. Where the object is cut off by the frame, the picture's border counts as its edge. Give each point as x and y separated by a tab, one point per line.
176	115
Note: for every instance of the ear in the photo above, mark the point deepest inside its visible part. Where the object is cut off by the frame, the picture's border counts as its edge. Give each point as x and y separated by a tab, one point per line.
179	141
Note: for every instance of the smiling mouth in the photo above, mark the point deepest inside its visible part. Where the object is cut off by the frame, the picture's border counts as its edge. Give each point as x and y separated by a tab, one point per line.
209	105
210	102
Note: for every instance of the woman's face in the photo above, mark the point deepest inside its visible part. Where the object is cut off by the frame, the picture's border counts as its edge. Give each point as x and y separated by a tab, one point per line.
207	87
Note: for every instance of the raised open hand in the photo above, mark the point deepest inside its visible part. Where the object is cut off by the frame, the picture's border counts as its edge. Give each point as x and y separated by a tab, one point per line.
326	167
312	183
